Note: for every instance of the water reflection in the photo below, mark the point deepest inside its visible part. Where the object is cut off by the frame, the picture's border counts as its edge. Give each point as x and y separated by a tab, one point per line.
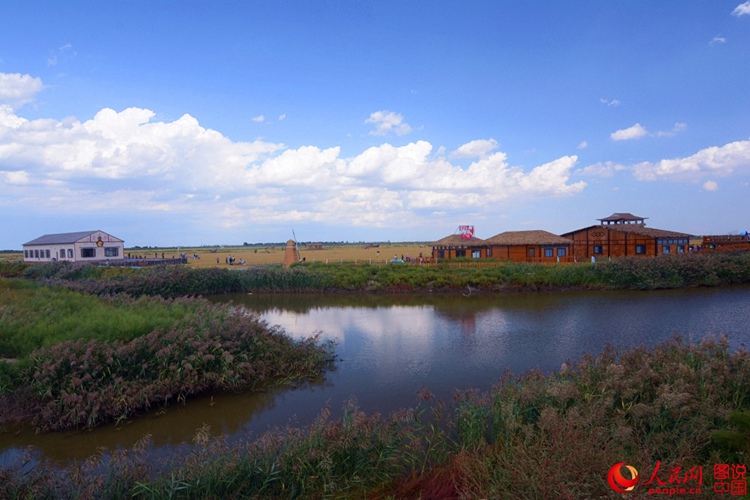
389	346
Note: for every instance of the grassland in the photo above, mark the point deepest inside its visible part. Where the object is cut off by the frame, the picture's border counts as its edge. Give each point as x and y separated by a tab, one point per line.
275	254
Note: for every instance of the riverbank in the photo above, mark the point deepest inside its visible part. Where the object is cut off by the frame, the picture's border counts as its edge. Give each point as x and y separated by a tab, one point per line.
663	272
675	406
82	360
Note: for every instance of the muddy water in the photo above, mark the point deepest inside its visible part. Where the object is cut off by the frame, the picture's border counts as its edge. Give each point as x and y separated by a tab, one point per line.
391	346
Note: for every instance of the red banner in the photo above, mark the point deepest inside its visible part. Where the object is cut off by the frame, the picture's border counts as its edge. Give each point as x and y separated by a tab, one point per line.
467	232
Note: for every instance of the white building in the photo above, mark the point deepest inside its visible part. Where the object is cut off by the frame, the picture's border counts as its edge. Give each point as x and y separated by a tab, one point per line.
84	246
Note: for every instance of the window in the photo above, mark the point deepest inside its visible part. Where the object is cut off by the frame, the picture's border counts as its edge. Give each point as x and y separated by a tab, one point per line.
561	252
70	253
46	252
640	249
26	254
87	253
665	249
681	249
460	253
111	252
441	254
549	252
598	249
532	253
36	254
476	254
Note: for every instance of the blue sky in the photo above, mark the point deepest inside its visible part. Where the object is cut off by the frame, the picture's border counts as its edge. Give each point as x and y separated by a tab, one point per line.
223	122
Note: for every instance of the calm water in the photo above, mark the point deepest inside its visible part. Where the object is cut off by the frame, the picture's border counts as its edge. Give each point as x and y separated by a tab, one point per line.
391	346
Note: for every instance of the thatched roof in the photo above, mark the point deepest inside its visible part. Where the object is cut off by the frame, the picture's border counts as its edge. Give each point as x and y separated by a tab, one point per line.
454	240
536	237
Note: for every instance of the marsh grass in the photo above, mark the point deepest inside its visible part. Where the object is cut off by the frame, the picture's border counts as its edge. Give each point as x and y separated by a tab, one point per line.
531	436
84	360
663	272
33	316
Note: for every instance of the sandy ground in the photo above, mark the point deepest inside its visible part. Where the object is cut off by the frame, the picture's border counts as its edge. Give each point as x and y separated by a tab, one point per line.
275	255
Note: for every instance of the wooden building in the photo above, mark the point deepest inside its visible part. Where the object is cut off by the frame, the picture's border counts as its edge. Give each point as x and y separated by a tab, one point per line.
455	246
530	246
84	246
624	234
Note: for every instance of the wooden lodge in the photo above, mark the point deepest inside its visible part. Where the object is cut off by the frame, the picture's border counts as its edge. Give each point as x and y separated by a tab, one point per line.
457	246
624	235
530	246
619	235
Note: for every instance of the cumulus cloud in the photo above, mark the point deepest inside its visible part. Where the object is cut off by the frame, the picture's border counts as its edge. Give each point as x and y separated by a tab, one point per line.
475	149
742	9
17	89
258	119
710	186
387	122
635	132
126	161
714	161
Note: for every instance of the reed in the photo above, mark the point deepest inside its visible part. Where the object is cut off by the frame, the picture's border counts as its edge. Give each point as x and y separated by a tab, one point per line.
668	271
532	436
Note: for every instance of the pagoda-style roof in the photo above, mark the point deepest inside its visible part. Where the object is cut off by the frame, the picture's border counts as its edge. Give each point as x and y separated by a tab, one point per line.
623	218
535	237
455	240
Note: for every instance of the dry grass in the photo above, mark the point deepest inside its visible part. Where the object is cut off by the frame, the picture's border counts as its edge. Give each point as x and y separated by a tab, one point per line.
275	254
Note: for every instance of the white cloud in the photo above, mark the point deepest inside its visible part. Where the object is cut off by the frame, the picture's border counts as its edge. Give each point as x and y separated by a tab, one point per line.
717	39
475	149
722	161
602	169
635	132
710	186
17	89
742	9
582	145
282	117
127	161
61	54
258	119
678	127
610	102
386	122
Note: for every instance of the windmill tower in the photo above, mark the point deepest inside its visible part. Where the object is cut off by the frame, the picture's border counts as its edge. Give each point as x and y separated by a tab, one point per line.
291	253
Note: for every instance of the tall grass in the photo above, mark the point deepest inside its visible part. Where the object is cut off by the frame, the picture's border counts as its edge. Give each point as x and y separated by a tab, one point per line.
532	436
667	271
84	360
33	316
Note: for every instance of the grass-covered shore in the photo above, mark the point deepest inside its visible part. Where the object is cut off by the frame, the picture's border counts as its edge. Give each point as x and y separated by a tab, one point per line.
532	436
77	361
668	271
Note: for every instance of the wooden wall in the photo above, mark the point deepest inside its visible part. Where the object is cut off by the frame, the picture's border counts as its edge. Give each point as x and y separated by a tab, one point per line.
522	253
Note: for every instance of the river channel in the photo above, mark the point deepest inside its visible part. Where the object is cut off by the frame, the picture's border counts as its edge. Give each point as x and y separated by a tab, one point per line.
390	346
